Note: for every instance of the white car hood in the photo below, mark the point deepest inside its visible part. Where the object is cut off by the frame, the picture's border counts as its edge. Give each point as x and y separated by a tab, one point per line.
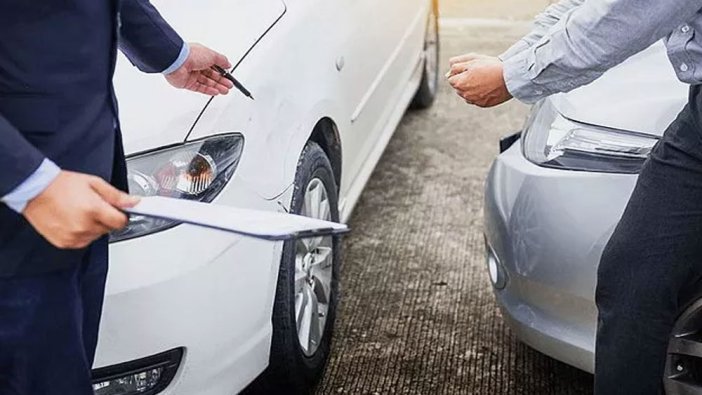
154	114
642	95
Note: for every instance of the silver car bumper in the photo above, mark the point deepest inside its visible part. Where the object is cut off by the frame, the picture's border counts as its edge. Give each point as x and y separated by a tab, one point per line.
546	229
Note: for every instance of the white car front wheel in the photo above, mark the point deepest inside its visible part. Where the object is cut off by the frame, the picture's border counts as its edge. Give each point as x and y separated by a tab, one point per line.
307	291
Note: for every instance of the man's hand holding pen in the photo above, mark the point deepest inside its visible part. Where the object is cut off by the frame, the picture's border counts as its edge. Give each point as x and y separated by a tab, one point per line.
197	74
479	80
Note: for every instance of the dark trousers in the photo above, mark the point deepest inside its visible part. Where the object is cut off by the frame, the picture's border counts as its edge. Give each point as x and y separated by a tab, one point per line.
652	265
49	328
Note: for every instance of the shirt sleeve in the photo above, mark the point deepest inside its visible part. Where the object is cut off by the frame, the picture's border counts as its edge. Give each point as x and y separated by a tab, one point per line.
542	24
590	40
30	188
182	57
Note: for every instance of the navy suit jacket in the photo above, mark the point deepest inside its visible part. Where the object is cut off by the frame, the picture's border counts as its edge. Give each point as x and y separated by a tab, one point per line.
57	59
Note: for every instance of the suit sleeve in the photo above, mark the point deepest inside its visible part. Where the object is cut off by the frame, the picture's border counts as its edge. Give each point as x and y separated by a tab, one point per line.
146	38
19	159
32	187
542	24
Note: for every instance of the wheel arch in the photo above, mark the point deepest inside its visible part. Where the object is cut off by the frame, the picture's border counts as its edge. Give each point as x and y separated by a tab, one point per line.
326	134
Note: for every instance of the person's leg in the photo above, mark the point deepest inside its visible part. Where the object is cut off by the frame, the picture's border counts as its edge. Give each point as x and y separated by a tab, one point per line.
654	252
48	331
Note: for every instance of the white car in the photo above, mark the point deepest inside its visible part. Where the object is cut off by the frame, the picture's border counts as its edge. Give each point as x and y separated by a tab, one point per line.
194	311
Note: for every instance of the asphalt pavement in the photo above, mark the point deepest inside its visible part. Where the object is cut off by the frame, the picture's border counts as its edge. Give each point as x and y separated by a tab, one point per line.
417	314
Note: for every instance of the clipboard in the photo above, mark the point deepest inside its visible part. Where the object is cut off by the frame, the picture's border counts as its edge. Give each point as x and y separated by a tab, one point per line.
265	225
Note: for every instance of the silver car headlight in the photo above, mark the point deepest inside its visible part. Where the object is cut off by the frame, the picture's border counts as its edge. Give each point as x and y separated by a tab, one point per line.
196	170
551	140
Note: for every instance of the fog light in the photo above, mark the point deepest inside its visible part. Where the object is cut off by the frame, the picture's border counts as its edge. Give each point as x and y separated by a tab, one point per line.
137	383
147	376
492	267
498	276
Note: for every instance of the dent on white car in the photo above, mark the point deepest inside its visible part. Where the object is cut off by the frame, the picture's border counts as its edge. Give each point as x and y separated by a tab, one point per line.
147	123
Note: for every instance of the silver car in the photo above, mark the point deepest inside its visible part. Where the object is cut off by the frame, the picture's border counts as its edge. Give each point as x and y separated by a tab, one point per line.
553	198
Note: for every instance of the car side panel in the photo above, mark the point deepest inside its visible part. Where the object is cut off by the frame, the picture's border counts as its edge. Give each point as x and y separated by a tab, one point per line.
293	77
379	46
396	30
293	73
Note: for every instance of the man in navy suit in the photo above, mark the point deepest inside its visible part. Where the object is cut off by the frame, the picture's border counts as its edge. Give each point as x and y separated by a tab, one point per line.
63	173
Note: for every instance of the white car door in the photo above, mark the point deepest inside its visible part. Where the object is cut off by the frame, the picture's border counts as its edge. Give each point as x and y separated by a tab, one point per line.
382	48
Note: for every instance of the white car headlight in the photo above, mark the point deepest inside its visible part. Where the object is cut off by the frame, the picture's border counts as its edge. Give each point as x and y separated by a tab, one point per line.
551	140
196	170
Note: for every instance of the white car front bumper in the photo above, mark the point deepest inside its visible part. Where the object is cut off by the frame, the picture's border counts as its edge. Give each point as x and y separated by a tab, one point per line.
206	291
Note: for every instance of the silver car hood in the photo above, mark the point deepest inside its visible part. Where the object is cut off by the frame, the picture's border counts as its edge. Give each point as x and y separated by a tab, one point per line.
643	95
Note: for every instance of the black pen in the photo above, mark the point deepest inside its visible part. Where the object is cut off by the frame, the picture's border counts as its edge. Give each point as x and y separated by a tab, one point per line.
224	73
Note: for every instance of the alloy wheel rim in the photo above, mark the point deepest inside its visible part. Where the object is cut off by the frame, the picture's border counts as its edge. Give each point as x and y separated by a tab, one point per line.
683	370
431	53
314	260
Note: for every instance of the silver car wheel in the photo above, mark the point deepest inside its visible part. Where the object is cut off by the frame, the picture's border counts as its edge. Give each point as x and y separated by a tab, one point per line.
431	53
313	272
683	371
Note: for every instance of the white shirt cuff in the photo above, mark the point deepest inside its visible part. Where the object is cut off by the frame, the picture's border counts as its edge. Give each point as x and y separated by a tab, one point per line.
182	57
32	186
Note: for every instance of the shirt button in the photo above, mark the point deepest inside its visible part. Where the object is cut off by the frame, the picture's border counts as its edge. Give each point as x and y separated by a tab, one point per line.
685	28
684	67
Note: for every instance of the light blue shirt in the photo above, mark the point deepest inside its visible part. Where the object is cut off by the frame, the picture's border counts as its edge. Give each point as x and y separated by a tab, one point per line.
47	172
590	37
542	24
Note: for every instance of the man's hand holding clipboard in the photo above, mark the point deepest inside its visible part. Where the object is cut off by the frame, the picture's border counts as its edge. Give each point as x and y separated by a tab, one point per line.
252	223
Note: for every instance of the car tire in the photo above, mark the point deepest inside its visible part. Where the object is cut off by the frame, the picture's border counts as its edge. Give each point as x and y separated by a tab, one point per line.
426	94
683	368
296	368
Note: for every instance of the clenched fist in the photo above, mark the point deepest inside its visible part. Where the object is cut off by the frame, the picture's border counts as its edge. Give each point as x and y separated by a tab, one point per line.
479	80
77	209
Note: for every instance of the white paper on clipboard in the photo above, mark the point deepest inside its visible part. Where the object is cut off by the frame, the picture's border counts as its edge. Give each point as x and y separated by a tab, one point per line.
253	223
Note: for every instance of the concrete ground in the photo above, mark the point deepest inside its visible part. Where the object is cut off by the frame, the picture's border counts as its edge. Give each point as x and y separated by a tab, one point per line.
417	314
